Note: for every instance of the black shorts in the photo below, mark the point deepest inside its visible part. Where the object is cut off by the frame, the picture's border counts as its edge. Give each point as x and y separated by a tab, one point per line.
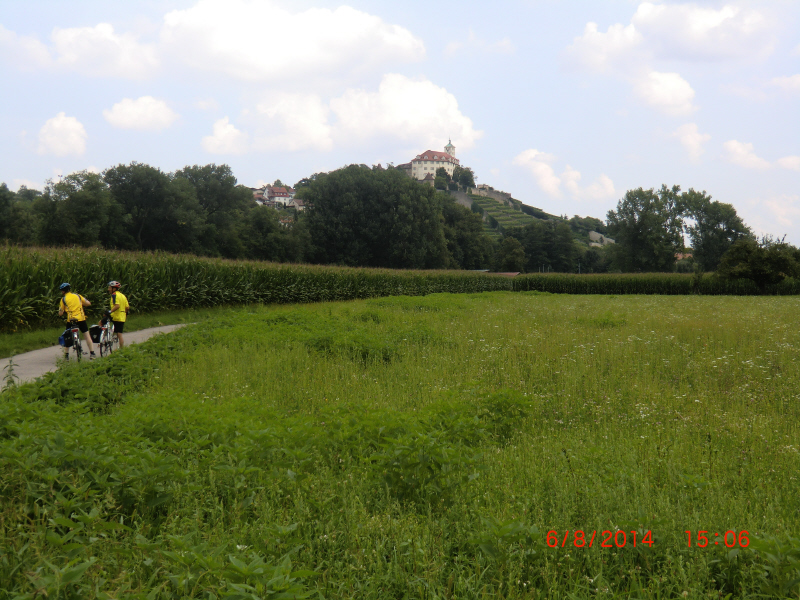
82	326
118	326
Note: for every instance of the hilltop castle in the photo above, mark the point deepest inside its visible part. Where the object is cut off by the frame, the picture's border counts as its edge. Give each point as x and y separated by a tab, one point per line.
423	166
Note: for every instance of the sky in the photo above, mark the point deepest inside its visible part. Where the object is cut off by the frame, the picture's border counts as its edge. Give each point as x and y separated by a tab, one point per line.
564	104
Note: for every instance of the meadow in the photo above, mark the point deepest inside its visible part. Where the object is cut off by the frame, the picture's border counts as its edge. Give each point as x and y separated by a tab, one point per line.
417	447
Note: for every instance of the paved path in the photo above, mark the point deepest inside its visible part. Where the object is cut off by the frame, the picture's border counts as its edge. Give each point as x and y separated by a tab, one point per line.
34	364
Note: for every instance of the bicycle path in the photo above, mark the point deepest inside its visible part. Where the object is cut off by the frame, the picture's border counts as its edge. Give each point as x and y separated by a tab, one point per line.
36	363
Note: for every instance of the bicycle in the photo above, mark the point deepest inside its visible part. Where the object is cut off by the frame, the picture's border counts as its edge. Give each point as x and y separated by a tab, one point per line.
108	338
72	327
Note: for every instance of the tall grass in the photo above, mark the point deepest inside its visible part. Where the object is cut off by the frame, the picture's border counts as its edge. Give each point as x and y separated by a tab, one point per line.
415	448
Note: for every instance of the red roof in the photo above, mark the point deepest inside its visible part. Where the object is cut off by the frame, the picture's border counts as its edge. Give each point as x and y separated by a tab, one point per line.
435	155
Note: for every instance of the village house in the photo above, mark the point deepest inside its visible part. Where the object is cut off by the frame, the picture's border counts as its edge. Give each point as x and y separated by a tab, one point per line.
280	195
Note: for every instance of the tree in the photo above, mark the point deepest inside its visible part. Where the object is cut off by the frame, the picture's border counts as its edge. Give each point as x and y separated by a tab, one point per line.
647	227
378	218
224	205
765	263
716	228
442	172
464	176
7	201
547	244
77	209
467	244
440	183
160	212
510	256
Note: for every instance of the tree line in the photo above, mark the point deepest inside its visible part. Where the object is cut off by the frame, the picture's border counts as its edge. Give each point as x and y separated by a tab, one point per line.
370	216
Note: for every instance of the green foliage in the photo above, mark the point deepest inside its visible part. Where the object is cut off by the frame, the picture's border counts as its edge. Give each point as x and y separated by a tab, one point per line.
647	227
376	218
510	256
715	229
548	246
766	264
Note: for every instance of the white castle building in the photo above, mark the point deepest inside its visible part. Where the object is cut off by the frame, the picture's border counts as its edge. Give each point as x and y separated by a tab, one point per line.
424	165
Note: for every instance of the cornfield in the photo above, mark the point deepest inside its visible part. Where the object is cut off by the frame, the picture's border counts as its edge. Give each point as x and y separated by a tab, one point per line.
30	278
662	284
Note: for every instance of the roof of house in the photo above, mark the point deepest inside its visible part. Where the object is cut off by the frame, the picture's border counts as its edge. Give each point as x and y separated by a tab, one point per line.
277	191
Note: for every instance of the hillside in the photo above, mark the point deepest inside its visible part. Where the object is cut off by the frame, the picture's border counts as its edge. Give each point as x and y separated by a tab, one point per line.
502	212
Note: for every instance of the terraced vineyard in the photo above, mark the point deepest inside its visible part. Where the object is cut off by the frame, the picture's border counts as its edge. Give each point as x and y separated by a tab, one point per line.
505	215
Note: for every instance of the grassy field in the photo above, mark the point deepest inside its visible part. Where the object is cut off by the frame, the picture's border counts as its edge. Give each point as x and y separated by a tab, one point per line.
417	447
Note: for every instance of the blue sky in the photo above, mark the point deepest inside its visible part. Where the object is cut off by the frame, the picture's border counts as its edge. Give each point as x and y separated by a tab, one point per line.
566	105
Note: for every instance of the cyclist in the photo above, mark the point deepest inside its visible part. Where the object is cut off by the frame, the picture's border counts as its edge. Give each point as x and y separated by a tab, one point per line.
118	312
73	304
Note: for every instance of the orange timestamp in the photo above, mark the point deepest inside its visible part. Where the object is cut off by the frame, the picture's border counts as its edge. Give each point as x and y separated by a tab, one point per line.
608	539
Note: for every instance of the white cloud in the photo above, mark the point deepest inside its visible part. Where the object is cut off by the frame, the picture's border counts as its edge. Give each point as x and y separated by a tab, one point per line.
62	136
692	32
225	139
31	185
260	41
297	122
145	113
668	92
540	165
601	52
473	43
206	104
601	189
790	162
743	154
419	112
99	51
692	139
790	84
783	210
23	52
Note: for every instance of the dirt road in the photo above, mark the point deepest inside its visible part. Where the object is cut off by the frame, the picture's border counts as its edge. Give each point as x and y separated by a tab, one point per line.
31	365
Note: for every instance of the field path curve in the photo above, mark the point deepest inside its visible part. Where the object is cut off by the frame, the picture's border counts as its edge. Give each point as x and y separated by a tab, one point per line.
30	365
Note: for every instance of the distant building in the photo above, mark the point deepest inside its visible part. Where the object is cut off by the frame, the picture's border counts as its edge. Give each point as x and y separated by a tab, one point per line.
297	204
430	160
279	194
258	194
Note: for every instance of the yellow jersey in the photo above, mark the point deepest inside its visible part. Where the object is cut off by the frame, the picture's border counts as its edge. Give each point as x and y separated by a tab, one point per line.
121	314
73	306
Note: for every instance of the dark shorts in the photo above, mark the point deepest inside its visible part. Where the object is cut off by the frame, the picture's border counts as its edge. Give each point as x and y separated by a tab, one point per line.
118	326
82	326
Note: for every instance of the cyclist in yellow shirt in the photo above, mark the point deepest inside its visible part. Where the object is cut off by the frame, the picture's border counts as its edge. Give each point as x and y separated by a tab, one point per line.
73	304
118	312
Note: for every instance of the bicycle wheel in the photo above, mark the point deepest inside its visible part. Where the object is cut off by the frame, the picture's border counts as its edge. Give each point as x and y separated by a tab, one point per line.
102	344
76	343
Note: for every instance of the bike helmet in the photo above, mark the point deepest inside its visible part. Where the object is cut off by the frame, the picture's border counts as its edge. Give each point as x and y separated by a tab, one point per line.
64	287
114	284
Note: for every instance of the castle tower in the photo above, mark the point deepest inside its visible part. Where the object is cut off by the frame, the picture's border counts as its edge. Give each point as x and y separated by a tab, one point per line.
450	149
